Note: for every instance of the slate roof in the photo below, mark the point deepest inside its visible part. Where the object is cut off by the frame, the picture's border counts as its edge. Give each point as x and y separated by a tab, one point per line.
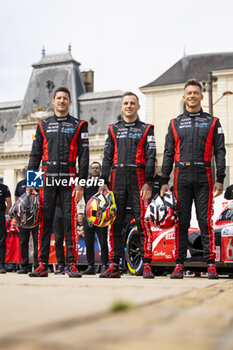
55	59
194	66
10	105
101	95
48	74
100	109
8	115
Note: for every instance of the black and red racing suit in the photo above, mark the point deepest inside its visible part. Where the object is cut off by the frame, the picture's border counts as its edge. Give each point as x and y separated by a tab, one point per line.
190	142
58	142
129	155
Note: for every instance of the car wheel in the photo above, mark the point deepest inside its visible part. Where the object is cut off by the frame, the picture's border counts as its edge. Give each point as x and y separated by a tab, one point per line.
133	256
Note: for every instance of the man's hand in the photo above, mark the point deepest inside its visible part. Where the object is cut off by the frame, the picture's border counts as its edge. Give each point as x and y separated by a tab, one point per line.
81	233
102	188
145	192
164	188
218	189
77	193
29	190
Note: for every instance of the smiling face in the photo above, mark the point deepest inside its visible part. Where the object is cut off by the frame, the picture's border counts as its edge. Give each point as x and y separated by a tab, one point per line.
61	103
192	97
130	107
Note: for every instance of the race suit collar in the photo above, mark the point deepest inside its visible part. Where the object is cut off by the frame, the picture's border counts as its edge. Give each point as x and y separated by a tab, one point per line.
193	114
61	119
132	123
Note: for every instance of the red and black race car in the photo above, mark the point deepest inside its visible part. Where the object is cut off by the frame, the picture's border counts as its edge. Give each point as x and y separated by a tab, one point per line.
163	259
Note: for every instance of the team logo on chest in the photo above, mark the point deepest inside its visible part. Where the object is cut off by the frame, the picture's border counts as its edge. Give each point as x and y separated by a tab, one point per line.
67	130
52	127
201	122
135	133
185	123
122	133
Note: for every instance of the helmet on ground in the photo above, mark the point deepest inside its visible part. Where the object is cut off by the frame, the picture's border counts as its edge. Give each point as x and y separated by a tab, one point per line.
26	210
101	209
162	211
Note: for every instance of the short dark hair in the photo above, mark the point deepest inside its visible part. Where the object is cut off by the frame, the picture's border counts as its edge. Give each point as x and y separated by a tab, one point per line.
95	163
194	82
130	93
63	89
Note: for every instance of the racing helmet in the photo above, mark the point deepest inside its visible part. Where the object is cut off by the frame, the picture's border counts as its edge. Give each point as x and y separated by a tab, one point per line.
162	211
26	210
101	209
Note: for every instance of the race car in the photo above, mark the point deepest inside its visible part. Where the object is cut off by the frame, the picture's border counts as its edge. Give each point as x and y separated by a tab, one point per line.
163	254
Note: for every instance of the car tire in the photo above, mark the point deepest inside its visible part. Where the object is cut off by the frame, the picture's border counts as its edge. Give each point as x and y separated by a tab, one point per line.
133	257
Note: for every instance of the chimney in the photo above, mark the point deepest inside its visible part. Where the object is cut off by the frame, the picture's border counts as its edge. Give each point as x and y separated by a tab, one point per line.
88	79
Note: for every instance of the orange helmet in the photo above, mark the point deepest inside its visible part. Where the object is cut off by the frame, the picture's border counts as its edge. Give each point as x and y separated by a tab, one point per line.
101	209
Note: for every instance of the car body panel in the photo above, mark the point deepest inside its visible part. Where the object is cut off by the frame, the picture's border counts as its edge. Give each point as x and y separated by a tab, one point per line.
163	240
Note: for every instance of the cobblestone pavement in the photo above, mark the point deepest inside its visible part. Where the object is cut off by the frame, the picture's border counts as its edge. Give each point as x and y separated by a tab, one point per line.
62	313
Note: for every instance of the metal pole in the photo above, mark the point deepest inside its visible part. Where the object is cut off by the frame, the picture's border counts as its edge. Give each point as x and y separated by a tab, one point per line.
210	90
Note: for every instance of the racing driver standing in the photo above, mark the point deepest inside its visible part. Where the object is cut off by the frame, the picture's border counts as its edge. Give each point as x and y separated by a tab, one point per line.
191	139
129	156
58	142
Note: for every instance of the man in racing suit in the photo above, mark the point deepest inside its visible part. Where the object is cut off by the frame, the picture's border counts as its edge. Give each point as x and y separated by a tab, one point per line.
190	141
59	140
129	155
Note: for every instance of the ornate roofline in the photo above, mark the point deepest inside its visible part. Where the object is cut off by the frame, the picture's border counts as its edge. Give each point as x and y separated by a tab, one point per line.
9	155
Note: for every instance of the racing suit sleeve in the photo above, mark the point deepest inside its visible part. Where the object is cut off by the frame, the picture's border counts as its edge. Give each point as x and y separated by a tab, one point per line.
219	151
150	155
168	156
83	152
108	158
37	150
